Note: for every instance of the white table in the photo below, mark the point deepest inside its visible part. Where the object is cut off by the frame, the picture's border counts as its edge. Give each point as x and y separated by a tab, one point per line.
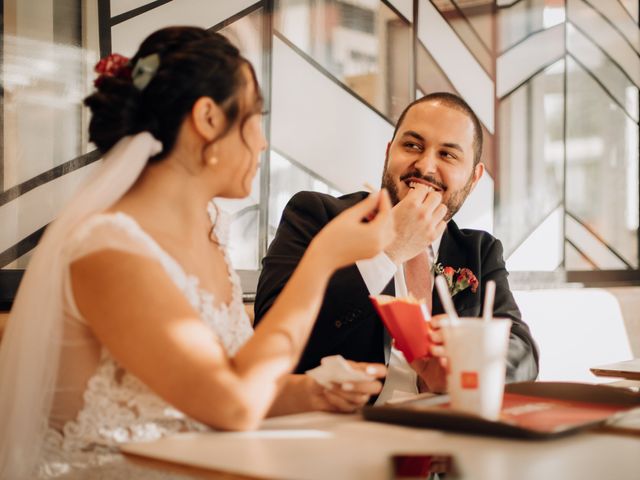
323	446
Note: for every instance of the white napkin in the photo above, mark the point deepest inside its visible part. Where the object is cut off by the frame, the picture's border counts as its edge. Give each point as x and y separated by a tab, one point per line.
335	369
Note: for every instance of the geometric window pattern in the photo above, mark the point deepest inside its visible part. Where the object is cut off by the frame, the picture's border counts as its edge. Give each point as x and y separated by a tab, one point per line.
554	83
569	136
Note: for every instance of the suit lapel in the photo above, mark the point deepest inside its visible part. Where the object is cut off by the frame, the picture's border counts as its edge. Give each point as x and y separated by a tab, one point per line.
449	255
390	289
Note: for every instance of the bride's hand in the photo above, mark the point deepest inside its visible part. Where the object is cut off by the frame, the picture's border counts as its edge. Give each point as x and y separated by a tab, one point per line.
349	237
346	397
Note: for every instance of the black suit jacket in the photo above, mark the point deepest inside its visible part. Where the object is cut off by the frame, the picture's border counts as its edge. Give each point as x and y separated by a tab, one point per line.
348	324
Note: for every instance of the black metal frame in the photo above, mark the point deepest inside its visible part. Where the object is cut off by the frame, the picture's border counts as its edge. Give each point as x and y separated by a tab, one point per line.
8	280
1	100
565	126
265	168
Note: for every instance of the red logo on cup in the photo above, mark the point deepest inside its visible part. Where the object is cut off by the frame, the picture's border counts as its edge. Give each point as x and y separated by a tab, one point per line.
469	380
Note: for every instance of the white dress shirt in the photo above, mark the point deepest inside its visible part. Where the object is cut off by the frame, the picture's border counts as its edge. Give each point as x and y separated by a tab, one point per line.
376	273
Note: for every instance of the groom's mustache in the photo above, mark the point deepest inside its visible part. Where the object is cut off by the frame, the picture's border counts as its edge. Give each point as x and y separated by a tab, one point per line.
427	178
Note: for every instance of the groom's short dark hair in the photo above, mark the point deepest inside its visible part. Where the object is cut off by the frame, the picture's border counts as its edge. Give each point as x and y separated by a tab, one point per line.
451	100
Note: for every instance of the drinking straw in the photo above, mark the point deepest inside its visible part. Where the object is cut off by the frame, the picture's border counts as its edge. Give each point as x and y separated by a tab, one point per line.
425	311
445	298
489	296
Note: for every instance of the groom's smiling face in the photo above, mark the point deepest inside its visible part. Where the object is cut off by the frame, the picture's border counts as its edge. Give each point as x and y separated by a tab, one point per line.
433	145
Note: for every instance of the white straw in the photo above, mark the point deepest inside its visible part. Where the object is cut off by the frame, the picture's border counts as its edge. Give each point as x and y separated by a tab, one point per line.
425	312
489	296
445	298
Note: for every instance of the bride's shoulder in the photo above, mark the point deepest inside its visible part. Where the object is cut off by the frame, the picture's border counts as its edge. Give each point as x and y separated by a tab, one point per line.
108	231
106	225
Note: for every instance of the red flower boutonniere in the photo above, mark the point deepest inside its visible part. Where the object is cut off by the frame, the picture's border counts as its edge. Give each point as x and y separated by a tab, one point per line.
458	280
113	65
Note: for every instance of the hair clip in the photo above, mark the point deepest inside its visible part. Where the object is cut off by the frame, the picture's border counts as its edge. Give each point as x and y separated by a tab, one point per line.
144	70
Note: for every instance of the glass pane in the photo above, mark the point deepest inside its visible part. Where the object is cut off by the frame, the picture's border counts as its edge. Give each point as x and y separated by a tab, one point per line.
480	15
526	17
489	154
584	239
622	20
429	76
531	151
577	259
47	69
431	79
288	178
631	6
602	166
244	235
321	125
613	78
363	44
44	83
127	35
477	45
247	34
122	6
48	61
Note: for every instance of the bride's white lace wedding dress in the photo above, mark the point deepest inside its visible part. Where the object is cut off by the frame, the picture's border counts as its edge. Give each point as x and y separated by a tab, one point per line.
98	404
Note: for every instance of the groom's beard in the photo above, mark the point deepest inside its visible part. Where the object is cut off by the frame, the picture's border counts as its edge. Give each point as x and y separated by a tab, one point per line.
457	199
453	203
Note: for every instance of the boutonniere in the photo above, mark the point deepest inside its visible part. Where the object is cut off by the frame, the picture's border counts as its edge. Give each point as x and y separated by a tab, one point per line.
458	280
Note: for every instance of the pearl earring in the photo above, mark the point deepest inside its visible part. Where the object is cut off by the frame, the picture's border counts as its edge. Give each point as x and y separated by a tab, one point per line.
212	161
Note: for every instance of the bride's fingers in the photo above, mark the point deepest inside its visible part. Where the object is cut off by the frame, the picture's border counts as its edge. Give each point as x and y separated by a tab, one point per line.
370	388
339	403
384	201
375	208
376	370
383	210
365	207
354	398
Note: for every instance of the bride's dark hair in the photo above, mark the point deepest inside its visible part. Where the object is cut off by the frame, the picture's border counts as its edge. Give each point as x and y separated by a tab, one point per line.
194	63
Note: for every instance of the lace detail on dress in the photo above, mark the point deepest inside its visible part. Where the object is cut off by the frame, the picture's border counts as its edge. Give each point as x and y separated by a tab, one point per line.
118	407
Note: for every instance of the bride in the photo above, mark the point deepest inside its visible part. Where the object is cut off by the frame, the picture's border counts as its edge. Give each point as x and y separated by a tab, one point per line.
129	322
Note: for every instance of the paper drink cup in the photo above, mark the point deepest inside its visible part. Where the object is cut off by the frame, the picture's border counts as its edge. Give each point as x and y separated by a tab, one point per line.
477	363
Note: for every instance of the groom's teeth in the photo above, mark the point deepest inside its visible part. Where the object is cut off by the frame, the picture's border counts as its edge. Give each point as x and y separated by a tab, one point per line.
428	187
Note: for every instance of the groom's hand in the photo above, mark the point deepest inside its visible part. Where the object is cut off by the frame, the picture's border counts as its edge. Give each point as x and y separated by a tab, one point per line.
419	220
432	370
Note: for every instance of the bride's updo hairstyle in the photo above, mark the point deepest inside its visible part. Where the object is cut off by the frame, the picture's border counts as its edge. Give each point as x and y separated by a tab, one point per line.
191	63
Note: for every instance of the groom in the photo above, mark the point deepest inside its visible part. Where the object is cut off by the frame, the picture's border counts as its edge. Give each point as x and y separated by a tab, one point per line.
432	164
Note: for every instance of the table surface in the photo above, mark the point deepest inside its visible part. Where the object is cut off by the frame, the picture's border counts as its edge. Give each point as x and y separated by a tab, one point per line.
325	446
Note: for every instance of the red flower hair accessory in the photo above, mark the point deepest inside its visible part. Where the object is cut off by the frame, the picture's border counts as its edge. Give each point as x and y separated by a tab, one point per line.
465	278
113	65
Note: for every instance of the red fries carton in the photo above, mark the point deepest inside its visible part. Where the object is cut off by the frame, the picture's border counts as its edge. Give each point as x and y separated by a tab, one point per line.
406	323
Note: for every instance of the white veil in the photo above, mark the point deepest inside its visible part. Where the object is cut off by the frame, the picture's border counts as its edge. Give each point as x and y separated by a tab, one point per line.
31	345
